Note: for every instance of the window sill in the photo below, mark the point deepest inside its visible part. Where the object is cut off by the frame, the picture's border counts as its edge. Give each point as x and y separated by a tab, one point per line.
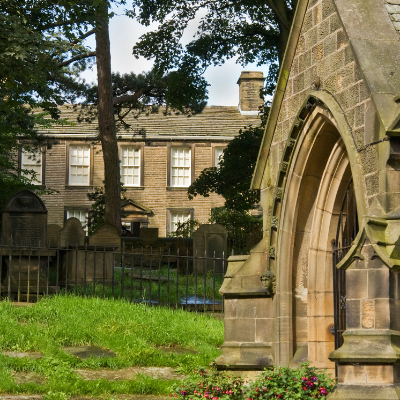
178	189
77	187
134	187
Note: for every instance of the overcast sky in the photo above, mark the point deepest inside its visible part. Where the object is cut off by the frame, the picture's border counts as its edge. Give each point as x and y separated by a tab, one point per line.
124	32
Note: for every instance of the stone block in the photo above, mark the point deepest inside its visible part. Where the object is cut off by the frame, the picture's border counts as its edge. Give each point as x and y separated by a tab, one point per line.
240	330
372	183
379	374
356	284
323	30
353	314
330	43
327	8
334	23
311	38
352	374
368	314
229	308
264	330
307	22
382	314
317	14
378	283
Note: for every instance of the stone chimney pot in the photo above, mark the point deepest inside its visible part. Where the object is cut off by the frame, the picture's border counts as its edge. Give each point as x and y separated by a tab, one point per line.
250	83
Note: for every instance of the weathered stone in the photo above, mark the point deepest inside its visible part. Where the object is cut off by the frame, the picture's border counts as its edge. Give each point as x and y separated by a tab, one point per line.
210	241
24	220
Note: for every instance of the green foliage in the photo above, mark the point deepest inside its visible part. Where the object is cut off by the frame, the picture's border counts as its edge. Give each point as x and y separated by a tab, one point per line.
182	90
185	229
167	287
210	385
284	383
250	31
244	230
134	332
33	43
232	177
98	207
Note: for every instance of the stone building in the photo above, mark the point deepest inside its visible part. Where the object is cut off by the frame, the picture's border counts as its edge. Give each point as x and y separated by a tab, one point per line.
324	285
160	156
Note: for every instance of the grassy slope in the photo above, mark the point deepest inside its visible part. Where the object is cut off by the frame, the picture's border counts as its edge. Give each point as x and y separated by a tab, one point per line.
132	331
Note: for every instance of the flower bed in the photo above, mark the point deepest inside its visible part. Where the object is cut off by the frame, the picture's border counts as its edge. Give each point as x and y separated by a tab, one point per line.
284	383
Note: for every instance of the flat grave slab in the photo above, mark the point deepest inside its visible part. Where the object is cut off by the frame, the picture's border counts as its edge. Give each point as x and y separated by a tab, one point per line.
84	352
129	373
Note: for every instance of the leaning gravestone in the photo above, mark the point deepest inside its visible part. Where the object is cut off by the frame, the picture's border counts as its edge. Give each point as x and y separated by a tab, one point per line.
24	220
53	235
72	234
209	247
95	261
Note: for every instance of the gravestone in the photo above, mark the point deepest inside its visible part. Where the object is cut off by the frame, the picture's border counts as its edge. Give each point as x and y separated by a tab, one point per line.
209	242
95	261
53	235
72	234
24	220
148	236
27	261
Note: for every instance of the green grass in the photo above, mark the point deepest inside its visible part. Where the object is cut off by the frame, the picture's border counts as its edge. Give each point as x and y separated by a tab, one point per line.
172	290
133	331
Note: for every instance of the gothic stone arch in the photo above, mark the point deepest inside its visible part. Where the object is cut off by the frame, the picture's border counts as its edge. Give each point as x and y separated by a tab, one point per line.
335	117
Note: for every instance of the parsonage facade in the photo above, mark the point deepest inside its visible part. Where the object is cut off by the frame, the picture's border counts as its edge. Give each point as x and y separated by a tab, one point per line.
160	157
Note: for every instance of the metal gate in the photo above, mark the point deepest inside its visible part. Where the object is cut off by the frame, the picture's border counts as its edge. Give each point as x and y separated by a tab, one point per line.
347	230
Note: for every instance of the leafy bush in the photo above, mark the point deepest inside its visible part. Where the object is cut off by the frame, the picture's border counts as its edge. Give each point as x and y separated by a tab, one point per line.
284	383
213	385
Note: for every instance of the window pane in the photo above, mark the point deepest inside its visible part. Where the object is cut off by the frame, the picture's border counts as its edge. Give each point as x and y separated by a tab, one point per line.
180	166
130	166
218	155
176	217
79	164
32	161
82	215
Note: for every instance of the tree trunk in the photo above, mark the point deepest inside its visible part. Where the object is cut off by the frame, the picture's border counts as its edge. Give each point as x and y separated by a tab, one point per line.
107	132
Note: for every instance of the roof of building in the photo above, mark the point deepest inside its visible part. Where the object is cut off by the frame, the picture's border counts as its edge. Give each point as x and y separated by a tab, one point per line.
214	121
393	8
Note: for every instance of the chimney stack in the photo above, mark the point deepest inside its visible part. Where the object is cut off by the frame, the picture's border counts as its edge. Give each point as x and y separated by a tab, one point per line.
250	83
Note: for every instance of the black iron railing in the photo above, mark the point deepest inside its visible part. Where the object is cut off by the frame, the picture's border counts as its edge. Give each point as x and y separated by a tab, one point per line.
150	276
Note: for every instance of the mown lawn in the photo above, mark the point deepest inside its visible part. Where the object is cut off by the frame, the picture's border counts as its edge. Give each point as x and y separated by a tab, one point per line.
133	331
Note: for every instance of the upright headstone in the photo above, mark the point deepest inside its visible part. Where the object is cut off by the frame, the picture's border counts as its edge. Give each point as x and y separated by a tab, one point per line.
72	234
53	235
209	248
106	235
24	220
27	260
95	261
148	236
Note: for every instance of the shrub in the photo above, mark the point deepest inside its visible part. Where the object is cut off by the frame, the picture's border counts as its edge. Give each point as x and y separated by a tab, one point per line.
214	385
284	383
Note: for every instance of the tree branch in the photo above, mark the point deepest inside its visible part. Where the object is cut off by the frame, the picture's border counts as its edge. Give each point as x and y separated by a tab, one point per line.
76	58
279	15
57	24
87	34
132	97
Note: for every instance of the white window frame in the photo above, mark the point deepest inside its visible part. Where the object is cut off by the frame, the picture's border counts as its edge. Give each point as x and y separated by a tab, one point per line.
218	154
82	164
180	166
176	216
32	160
134	167
82	214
